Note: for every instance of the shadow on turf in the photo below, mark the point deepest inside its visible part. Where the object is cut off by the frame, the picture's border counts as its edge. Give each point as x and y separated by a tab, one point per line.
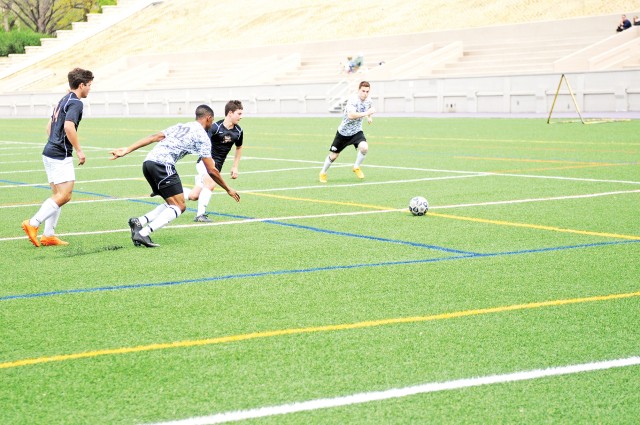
77	251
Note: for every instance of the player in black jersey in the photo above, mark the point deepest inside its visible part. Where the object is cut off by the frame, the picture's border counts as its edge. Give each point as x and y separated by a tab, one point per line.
57	157
224	134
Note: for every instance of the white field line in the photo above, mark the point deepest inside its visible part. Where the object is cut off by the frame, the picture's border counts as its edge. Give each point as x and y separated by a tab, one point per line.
432	207
312	216
218	223
366	397
378	183
470	173
520	201
13	186
317	186
41	144
108	167
87	201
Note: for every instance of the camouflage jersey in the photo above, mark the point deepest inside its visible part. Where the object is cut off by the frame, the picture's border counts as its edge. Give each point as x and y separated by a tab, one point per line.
349	127
180	140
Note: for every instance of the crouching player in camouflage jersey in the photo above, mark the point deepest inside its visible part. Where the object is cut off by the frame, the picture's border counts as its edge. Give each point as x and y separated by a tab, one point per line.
350	131
160	171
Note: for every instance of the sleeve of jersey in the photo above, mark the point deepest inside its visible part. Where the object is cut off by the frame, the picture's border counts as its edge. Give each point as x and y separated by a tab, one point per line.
74	110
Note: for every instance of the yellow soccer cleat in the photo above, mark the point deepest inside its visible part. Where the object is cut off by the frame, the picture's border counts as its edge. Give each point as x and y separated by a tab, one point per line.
52	241
359	173
323	177
31	231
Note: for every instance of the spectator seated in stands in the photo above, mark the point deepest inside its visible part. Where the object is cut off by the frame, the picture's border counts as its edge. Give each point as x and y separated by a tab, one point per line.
636	21
624	24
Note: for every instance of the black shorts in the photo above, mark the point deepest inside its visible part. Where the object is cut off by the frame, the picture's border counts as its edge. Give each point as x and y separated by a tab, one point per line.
163	178
340	142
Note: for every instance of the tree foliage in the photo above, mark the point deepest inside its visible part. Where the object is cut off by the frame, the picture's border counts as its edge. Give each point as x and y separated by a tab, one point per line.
47	16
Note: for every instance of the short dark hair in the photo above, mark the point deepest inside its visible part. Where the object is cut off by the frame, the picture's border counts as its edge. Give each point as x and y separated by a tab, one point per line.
204	111
78	76
232	106
364	84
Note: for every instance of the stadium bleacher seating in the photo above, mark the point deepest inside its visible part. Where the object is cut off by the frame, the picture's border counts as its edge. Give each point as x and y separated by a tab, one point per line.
166	45
170	60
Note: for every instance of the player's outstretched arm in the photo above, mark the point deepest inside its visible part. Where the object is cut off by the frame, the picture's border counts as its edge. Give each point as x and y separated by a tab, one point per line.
215	175
120	152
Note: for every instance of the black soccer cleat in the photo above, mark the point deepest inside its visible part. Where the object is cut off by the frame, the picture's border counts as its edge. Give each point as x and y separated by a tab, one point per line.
135	226
138	240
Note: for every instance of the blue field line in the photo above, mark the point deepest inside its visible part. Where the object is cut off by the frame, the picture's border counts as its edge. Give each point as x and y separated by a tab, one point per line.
372	238
298	226
308	270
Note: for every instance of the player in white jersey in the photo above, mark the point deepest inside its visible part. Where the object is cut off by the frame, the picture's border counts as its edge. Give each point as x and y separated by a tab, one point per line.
160	171
350	131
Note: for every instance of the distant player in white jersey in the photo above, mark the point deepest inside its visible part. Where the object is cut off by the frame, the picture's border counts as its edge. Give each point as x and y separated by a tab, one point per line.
224	135
57	157
160	171
350	131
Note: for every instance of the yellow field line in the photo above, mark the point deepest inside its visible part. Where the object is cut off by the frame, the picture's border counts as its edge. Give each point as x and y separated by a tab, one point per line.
536	226
455	217
314	329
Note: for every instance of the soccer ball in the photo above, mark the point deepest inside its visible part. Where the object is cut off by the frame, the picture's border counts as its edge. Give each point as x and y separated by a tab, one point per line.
418	205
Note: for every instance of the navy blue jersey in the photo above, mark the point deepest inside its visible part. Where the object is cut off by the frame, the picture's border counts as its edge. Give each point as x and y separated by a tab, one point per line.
69	109
222	139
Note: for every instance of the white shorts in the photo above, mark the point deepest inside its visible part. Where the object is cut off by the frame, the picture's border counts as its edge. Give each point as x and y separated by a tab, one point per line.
59	170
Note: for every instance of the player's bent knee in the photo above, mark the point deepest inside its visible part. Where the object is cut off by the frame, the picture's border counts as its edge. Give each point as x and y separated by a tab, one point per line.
363	147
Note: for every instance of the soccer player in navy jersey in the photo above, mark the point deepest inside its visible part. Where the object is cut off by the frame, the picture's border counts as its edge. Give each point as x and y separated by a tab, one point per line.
350	131
224	134
57	157
159	168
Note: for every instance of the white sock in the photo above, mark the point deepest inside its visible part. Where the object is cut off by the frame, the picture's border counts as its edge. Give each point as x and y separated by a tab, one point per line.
152	215
327	164
203	201
167	216
187	192
51	223
359	159
48	208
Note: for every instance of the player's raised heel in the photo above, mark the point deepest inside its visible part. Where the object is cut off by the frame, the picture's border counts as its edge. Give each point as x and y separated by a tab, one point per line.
52	241
323	177
359	173
31	231
135	226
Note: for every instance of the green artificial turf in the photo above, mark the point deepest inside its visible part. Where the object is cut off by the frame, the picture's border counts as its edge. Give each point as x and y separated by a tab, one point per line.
307	291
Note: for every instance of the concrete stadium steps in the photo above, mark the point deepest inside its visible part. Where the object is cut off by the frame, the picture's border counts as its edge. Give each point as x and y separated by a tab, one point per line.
513	56
496	50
